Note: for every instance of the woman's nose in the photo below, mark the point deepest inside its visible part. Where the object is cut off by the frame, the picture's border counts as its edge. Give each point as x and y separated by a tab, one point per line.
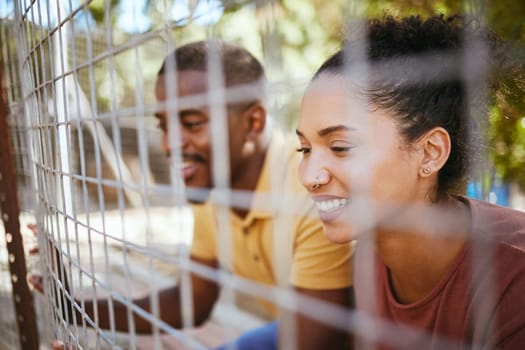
313	179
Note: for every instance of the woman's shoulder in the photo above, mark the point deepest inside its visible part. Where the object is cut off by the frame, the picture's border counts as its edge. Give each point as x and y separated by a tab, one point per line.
497	223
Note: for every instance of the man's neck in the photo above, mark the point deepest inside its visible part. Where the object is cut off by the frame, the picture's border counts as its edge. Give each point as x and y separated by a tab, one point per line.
248	178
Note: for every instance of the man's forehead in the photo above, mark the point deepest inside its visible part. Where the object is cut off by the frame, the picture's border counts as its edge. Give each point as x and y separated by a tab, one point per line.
187	81
191	90
181	106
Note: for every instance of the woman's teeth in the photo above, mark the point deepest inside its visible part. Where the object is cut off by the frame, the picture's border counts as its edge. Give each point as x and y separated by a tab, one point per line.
331	204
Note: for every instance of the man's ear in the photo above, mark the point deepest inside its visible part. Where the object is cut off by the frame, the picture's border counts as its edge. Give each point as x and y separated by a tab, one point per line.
256	118
435	150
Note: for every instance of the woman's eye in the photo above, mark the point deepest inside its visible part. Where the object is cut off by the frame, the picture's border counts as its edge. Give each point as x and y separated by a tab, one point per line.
340	149
303	150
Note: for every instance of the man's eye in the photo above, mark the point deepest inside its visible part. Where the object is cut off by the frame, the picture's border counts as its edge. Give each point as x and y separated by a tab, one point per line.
303	150
193	125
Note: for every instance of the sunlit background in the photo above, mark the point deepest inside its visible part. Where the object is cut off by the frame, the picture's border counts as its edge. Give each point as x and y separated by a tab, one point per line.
111	51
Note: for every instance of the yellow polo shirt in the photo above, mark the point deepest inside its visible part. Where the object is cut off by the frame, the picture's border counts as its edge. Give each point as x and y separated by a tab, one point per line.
283	220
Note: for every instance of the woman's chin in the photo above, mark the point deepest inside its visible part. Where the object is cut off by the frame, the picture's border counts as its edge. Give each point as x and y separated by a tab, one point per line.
337	233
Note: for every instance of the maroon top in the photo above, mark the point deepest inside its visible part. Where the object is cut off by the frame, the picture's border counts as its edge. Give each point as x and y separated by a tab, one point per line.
480	305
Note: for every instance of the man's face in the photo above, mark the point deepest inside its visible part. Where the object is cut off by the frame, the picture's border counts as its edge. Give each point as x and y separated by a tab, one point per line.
194	125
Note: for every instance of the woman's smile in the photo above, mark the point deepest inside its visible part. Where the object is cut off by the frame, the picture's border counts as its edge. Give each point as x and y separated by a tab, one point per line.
330	207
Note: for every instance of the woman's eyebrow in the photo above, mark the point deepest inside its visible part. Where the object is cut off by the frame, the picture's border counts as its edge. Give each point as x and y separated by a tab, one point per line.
328	130
332	129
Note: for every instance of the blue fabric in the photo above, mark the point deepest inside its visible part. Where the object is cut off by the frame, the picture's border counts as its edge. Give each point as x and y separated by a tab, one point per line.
262	338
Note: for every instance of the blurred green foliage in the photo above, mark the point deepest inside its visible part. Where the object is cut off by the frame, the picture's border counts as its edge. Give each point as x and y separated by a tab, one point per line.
292	38
97	8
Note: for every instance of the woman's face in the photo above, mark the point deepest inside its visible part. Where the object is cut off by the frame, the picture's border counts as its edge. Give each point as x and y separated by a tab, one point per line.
358	156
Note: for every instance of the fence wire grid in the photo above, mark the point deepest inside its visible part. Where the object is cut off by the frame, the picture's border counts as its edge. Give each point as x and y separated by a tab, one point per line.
79	81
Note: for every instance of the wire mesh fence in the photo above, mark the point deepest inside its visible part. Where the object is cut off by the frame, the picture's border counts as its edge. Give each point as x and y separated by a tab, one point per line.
80	95
92	119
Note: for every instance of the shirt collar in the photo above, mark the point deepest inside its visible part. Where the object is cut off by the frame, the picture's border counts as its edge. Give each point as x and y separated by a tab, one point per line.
261	206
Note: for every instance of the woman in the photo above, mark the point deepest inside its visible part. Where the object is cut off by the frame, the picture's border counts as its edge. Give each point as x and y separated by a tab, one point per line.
383	155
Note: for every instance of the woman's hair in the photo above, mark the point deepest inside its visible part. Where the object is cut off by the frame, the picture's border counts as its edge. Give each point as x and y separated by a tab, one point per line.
419	70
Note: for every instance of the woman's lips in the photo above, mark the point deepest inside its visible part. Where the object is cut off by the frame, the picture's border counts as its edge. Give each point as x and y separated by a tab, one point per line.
330	207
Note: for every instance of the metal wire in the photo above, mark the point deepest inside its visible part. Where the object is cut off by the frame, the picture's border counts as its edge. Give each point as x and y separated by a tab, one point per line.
89	156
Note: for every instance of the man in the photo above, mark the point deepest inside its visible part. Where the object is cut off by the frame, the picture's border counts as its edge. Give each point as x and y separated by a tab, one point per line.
263	164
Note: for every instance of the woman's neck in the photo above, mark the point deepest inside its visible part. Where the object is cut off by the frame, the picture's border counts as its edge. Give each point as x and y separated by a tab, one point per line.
418	258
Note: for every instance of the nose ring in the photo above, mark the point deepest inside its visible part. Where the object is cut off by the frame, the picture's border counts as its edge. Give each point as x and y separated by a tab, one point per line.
317	184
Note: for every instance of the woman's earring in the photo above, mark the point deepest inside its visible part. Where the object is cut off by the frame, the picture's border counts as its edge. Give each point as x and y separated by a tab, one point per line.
426	171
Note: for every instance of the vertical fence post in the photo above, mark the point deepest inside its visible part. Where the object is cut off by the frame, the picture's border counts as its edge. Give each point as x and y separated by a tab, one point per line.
22	297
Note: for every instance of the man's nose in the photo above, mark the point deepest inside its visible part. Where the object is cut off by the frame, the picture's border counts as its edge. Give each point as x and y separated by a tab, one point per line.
180	140
165	144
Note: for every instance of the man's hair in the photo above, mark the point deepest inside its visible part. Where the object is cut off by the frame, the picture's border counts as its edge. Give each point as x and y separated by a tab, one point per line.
239	66
418	70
